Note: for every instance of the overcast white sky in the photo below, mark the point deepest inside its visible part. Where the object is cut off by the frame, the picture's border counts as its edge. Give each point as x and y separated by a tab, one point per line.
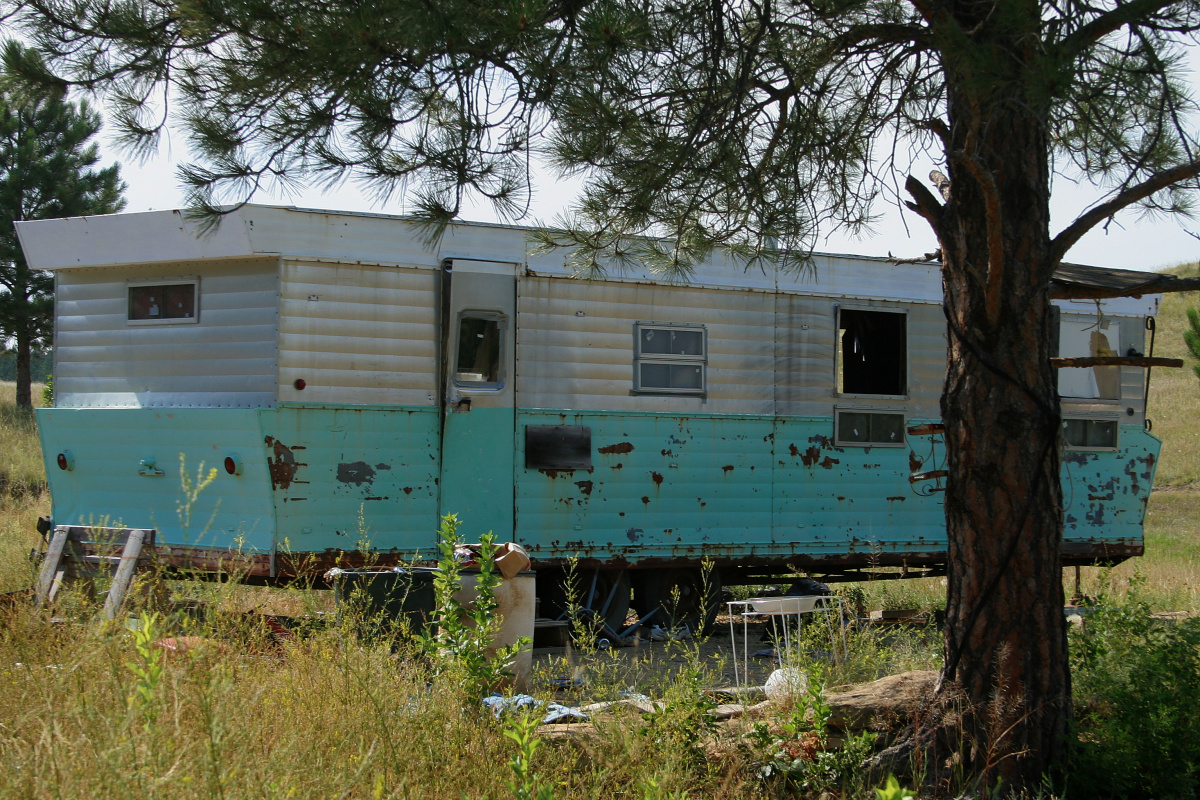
1131	242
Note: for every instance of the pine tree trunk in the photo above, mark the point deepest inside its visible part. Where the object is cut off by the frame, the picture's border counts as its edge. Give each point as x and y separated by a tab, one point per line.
24	359
1006	640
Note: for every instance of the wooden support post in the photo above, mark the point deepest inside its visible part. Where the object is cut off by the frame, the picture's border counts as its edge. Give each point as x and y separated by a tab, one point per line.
49	574
125	571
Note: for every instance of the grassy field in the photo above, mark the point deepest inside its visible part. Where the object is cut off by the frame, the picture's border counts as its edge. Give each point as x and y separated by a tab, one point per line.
97	710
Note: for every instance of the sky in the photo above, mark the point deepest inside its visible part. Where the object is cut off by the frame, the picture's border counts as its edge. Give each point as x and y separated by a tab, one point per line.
1130	242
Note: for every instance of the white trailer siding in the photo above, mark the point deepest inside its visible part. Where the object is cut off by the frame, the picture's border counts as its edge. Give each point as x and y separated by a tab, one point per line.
358	334
224	359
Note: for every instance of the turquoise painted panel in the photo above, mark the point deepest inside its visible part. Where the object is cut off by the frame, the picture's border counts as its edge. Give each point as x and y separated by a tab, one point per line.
836	499
344	476
660	487
1105	493
105	488
477	471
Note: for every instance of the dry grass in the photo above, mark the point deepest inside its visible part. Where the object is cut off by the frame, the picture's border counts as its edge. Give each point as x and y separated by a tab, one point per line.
21	468
1174	406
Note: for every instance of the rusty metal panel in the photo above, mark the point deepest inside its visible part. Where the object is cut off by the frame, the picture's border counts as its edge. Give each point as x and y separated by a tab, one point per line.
358	334
660	487
1105	493
225	358
342	476
575	345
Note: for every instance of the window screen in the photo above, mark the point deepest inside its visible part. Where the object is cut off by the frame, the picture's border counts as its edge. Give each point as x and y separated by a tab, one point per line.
478	359
176	301
670	359
872	352
870	428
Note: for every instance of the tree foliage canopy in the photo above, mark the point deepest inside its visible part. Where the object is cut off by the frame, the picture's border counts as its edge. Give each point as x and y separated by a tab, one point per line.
47	160
728	122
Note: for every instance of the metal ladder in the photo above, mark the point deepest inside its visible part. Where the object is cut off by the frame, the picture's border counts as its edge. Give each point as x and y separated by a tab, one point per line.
78	551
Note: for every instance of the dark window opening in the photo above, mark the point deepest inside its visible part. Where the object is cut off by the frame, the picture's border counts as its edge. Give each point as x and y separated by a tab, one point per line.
866	427
872	352
168	301
1090	433
478	350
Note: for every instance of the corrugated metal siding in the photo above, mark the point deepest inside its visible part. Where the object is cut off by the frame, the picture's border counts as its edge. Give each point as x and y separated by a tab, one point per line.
806	353
105	488
369	337
1105	494
360	476
575	345
226	359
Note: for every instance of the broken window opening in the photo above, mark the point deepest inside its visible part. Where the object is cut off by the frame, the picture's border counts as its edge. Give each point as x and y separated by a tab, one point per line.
870	428
478	360
164	302
1090	434
670	359
1089	337
872	353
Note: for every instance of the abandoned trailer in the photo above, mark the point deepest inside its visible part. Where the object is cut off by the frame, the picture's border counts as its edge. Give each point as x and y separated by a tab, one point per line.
351	384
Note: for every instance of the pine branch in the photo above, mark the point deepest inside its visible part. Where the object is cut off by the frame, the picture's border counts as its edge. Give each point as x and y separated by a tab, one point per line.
1090	219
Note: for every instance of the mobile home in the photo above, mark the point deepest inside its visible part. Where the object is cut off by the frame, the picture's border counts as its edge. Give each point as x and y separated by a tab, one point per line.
350	383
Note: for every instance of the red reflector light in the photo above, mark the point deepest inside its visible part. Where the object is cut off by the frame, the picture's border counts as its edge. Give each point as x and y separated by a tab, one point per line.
66	461
230	465
299	383
62	460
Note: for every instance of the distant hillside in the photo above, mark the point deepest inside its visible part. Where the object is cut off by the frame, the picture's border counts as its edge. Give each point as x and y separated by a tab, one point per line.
40	369
1174	407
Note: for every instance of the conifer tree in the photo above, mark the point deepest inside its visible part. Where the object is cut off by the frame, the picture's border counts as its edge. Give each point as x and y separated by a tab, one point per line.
47	160
750	124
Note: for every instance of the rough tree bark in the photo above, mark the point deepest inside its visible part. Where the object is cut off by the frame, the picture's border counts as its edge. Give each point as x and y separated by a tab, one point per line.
1006	640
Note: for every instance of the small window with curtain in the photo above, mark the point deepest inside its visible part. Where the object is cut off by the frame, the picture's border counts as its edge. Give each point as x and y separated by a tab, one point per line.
669	358
164	302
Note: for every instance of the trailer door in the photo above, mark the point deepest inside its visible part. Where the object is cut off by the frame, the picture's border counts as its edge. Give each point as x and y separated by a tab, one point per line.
479	371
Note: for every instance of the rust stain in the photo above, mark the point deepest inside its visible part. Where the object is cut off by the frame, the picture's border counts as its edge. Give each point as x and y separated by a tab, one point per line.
375	498
657	478
584	486
795	451
383	466
646	499
914	463
408	490
899	497
811	456
634	534
821	441
666	453
616	449
356	472
549	473
728	468
618	465
282	466
828	462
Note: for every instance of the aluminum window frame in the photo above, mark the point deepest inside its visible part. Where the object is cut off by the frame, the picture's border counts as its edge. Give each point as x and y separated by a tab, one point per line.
869	410
640	359
194	281
1093	418
501	320
838	308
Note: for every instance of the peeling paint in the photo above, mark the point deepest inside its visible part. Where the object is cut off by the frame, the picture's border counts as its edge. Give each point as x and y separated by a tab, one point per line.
728	468
616	449
795	451
657	478
585	486
828	462
356	472
282	466
645	499
810	457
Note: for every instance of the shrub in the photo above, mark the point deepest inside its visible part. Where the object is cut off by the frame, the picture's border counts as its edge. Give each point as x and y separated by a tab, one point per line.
1137	688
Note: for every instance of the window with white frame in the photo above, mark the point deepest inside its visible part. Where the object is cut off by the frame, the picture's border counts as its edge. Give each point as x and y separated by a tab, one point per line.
166	301
869	428
1080	433
669	358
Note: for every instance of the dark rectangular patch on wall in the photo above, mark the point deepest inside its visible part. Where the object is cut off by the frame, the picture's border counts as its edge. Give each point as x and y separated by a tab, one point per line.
558	447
